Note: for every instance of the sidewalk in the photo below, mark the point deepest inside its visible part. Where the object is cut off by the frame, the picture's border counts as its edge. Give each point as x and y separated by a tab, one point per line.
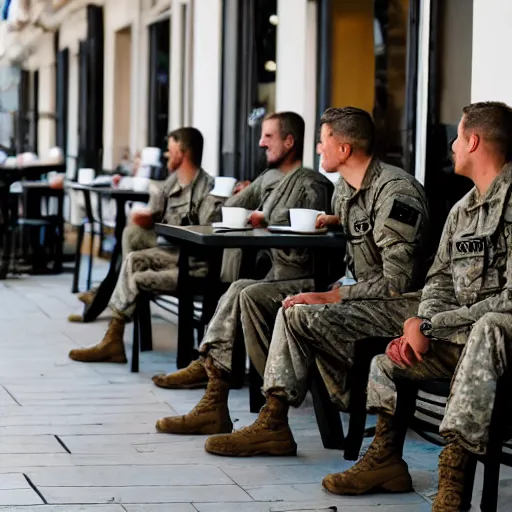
81	437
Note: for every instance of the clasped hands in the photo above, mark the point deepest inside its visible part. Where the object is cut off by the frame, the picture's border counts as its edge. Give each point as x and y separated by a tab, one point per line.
409	349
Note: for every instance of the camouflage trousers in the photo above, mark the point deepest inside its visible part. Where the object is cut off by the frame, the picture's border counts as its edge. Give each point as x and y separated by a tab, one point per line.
475	367
145	267
248	308
326	334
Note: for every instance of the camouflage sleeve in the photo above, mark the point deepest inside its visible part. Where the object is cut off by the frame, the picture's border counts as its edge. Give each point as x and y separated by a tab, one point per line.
209	210
438	297
249	197
158	201
446	322
317	196
400	232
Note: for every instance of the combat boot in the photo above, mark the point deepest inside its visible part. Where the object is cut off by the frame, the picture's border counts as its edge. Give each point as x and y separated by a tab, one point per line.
452	464
270	434
194	376
88	296
109	350
380	469
210	415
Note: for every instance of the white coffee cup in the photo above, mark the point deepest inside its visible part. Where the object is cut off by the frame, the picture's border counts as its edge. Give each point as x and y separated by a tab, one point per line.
303	219
235	217
150	156
224	186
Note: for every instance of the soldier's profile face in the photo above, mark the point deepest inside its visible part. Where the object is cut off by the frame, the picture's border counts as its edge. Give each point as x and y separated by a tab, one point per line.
175	155
275	147
327	148
459	151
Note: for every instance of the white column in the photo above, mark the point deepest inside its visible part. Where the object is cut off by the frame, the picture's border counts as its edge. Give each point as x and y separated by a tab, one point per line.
296	65
422	94
206	78
491	75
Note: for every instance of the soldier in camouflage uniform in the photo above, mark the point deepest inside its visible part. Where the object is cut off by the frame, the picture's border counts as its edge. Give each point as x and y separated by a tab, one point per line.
291	272
384	212
183	200
464	324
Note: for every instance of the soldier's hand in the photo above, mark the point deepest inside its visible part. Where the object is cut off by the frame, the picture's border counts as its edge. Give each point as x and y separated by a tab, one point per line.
240	186
323	221
257	219
143	218
116	179
311	298
415	338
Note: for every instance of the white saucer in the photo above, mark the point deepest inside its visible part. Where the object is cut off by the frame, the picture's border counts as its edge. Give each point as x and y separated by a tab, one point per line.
288	229
220	225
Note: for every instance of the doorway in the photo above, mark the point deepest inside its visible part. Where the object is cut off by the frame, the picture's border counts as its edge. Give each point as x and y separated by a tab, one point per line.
122	96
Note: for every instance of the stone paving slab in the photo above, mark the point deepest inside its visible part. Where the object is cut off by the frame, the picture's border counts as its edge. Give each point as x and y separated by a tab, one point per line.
105	416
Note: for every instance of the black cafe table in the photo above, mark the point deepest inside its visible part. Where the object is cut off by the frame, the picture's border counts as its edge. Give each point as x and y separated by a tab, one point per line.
121	197
9	203
205	242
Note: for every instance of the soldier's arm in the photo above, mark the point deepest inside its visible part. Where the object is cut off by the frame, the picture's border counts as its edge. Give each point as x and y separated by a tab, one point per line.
317	196
158	201
400	231
249	197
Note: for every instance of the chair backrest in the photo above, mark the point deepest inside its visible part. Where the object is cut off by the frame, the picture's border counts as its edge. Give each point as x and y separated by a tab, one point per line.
86	176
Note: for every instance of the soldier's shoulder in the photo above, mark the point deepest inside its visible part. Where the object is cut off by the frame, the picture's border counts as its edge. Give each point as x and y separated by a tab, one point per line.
208	179
309	175
398	181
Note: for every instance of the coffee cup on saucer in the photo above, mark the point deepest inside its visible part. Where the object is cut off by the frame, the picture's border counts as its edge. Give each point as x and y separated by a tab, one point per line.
235	217
303	219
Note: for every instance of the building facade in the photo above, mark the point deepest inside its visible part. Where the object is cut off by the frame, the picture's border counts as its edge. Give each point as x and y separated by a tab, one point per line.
104	78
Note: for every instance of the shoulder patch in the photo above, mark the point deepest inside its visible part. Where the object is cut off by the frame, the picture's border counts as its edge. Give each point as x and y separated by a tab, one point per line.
404	213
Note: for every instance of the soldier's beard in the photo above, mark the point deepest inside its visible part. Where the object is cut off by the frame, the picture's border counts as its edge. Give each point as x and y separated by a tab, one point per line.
277	162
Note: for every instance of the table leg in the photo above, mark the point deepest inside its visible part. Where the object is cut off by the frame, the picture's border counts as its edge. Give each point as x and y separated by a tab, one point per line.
185	311
108	284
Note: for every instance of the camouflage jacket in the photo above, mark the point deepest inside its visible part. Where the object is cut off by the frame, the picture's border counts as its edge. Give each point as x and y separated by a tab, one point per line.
274	193
472	270
189	205
387	228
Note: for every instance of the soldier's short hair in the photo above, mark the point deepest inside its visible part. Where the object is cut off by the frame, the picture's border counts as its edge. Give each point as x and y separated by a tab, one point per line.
354	124
492	120
290	123
191	140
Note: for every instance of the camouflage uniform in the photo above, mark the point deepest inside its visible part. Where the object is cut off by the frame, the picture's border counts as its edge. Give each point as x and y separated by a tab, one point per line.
386	222
468	298
154	269
291	270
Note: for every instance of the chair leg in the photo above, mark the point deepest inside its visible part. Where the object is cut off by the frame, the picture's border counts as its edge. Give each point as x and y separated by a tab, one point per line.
327	414
146	335
91	259
469	481
136	342
256	398
78	259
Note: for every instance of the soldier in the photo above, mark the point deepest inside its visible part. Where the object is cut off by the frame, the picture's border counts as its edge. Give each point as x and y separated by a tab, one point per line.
184	199
464	323
384	212
287	184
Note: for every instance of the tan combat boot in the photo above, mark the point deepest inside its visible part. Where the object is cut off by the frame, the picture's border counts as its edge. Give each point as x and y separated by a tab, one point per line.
109	350
194	376
270	434
380	469
88	296
452	464
210	415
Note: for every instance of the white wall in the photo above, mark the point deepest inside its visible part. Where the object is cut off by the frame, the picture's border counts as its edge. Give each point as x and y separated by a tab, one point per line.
206	78
491	74
119	14
296	65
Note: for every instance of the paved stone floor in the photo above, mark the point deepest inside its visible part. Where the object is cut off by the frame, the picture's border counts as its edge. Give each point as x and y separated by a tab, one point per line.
80	437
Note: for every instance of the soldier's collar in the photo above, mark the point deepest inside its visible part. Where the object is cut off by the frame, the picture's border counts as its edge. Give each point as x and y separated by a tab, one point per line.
496	193
177	188
371	172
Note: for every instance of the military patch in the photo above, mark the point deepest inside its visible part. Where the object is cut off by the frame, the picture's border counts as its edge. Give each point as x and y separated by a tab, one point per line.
473	246
404	213
361	226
